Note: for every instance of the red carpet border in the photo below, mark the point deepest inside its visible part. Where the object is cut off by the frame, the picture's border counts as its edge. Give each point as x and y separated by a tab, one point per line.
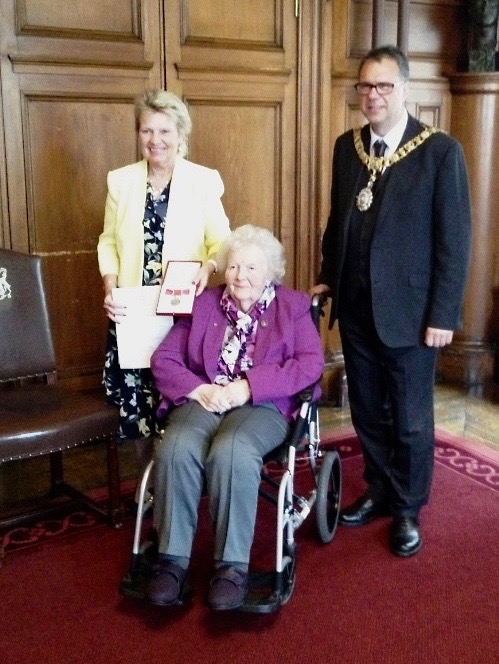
476	461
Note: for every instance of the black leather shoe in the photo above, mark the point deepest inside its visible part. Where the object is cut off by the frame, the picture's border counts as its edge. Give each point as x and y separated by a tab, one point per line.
362	511
405	538
167	586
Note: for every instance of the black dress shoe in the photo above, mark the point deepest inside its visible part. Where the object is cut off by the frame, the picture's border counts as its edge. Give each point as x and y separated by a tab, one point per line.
362	511
405	538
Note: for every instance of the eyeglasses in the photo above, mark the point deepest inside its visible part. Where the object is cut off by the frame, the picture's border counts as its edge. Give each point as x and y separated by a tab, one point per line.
382	88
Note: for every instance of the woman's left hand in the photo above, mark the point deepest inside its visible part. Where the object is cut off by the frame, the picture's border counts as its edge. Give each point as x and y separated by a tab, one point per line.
202	277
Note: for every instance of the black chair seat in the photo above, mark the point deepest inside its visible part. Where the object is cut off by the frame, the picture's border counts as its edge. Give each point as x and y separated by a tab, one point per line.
40	419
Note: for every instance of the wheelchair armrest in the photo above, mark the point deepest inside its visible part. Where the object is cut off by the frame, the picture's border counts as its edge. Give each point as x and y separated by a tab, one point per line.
306	396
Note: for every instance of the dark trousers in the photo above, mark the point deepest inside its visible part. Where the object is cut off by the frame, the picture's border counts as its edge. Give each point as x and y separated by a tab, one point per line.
391	400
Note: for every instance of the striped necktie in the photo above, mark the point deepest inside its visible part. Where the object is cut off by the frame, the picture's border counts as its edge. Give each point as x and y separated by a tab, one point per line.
379	148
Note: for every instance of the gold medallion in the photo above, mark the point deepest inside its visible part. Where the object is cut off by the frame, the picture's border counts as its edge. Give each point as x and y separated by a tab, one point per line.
376	165
364	199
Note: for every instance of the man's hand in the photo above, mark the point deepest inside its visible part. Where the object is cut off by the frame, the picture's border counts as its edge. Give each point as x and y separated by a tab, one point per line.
438	338
320	289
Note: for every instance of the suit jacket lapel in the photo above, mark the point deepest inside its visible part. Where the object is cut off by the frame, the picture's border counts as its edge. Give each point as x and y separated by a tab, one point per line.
412	129
176	206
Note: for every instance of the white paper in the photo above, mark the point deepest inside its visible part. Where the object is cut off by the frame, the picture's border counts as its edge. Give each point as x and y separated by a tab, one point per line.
140	331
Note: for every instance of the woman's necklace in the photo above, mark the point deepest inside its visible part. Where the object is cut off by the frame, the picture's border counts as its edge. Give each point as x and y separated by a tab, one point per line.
158	183
376	165
156	193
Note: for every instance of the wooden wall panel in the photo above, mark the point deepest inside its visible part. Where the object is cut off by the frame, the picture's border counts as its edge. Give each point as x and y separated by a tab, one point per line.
66	194
236	65
239	138
69	73
250	21
437	39
100	18
243	136
67	179
118	32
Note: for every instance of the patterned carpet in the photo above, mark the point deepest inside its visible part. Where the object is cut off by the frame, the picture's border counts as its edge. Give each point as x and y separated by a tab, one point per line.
354	602
479	463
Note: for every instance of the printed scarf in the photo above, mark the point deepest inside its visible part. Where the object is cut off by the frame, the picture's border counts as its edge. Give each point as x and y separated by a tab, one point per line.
239	343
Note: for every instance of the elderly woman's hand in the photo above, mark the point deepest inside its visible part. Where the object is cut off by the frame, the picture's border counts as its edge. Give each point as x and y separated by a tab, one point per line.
220	399
210	397
237	393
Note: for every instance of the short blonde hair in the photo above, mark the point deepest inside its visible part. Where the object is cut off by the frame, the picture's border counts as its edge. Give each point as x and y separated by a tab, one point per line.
161	101
260	237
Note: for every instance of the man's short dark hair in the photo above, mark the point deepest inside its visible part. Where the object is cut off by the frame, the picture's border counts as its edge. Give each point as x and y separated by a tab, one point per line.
392	52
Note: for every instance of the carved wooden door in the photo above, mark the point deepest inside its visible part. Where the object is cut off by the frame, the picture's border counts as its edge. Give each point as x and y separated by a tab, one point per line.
237	66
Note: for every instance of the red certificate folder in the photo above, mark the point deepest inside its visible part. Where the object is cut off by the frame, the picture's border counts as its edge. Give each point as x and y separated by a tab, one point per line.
177	293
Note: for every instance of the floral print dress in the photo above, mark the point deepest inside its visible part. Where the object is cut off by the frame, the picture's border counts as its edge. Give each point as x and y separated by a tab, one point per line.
132	390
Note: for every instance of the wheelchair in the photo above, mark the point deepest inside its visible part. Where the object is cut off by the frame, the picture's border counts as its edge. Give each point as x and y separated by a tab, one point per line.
268	591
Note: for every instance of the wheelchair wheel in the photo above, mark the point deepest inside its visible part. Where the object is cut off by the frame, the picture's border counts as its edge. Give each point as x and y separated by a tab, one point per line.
328	496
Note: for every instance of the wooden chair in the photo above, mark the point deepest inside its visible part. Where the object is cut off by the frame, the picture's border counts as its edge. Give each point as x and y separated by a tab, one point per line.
37	416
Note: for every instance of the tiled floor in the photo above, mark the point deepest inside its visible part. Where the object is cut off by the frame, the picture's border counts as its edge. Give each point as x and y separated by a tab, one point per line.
469	416
456	412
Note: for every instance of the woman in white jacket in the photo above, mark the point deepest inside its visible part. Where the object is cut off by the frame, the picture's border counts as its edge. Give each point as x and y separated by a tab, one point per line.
159	209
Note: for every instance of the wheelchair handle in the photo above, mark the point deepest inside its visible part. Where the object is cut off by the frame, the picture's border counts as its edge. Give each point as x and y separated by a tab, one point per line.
317	308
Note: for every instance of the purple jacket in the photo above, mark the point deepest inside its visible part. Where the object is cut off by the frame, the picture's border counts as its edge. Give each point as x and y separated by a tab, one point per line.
288	352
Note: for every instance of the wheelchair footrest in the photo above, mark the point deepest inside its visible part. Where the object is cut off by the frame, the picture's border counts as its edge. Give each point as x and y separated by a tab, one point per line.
140	571
268	591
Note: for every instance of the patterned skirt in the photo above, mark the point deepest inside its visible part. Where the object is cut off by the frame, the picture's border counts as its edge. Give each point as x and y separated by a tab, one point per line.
132	391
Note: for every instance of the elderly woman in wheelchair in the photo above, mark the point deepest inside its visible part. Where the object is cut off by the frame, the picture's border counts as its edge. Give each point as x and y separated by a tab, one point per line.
228	377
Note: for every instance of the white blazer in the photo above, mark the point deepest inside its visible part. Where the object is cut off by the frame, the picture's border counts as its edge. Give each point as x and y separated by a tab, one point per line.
195	224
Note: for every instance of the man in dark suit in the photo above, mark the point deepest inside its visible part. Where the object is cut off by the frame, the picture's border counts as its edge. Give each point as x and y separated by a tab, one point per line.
395	259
